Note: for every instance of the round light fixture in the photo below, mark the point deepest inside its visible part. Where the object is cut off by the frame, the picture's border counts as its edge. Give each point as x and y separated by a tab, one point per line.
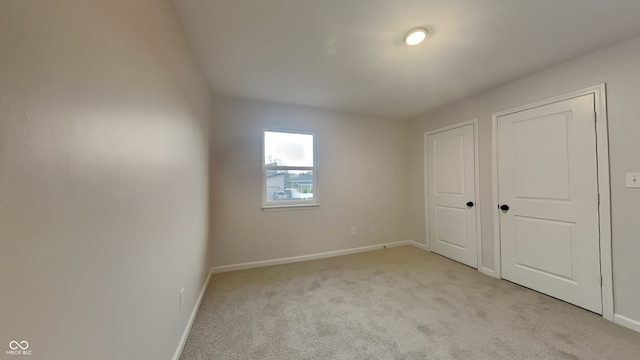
415	36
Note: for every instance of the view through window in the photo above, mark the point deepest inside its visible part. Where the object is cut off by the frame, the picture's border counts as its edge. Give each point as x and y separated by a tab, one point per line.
289	168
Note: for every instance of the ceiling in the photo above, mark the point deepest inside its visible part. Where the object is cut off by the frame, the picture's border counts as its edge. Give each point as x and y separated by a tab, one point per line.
348	55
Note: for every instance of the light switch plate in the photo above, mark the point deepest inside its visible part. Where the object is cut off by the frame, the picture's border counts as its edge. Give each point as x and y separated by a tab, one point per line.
633	180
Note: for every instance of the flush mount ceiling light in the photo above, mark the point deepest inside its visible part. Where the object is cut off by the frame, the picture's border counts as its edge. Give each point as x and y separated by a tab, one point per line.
415	36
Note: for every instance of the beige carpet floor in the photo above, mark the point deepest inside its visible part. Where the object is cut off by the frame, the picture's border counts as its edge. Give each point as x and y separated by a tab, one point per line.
396	303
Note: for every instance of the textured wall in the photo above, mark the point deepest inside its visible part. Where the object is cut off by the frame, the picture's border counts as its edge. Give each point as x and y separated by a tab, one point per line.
361	183
616	66
103	179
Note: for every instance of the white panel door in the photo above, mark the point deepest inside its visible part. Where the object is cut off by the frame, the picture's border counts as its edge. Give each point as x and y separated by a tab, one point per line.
547	177
451	194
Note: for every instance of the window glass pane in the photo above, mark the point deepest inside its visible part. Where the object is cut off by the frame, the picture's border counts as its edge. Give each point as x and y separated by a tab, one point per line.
289	186
288	149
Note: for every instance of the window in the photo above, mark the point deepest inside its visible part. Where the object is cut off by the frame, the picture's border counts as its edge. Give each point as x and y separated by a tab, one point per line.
289	168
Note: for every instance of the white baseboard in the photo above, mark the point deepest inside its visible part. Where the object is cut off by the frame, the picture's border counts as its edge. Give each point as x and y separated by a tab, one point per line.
192	318
257	264
627	322
418	245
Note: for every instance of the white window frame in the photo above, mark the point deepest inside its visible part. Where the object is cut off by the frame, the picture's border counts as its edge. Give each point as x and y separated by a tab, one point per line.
288	204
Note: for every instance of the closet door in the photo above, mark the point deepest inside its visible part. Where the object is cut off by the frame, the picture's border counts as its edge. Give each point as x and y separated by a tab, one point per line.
451	194
548	195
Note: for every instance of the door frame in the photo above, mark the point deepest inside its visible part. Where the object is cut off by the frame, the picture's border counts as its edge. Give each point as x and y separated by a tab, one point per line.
602	163
476	174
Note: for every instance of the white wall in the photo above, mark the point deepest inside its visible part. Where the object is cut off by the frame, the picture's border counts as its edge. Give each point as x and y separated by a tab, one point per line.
616	66
361	183
103	178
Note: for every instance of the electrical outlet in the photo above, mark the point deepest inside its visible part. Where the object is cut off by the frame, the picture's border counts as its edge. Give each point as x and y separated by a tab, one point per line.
181	298
633	180
373	228
353	230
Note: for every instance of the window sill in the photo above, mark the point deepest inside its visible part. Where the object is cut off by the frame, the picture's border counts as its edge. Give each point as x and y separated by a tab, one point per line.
289	207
